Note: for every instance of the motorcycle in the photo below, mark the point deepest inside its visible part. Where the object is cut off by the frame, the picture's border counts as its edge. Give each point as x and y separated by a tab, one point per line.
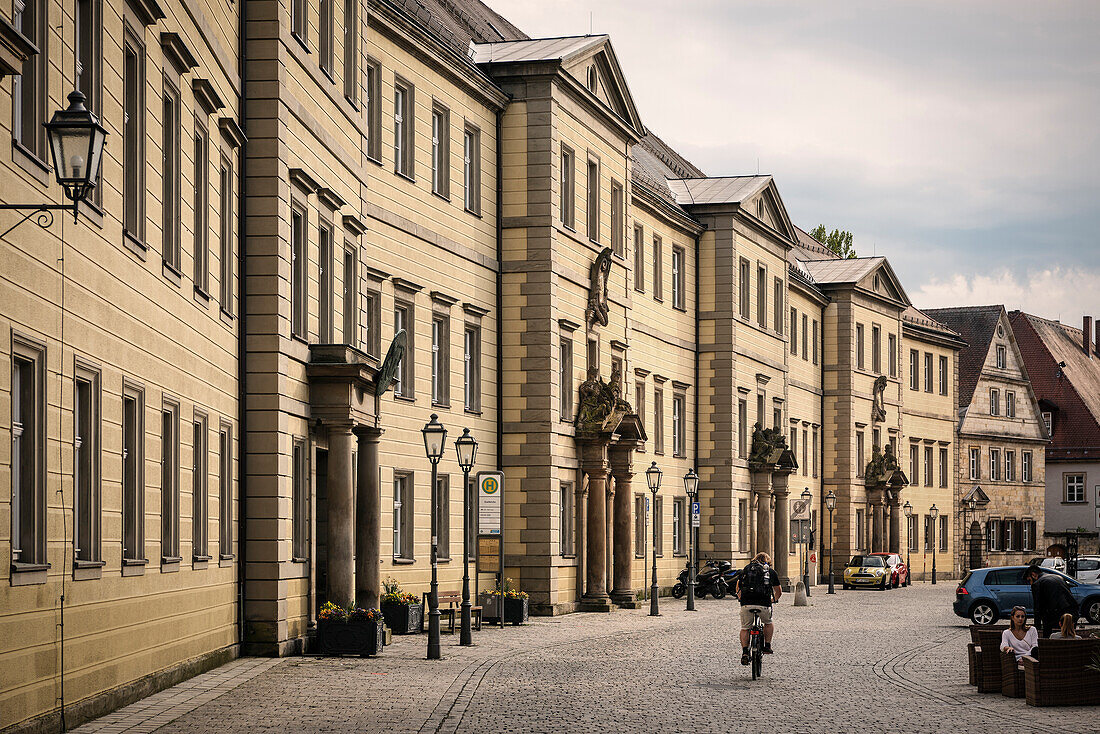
713	580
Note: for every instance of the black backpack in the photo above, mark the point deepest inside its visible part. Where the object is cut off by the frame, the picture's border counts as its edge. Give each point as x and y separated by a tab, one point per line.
754	582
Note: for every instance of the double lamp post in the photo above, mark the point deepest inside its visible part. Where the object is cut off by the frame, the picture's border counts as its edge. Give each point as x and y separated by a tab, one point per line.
691	487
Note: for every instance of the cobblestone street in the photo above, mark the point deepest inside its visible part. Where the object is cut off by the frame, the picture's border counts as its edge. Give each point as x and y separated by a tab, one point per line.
859	660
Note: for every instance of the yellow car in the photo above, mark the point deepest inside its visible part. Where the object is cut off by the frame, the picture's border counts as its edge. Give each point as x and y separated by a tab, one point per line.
868	571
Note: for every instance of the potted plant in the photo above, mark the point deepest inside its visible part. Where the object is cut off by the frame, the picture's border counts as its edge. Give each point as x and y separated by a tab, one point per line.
516	604
350	631
404	614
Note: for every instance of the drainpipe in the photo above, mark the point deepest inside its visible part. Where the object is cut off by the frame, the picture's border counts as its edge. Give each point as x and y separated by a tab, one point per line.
500	331
242	320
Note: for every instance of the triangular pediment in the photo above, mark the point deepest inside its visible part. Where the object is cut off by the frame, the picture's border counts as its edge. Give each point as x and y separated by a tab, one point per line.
882	281
597	69
768	207
981	499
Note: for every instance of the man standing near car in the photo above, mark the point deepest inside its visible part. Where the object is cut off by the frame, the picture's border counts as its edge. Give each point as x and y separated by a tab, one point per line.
1050	598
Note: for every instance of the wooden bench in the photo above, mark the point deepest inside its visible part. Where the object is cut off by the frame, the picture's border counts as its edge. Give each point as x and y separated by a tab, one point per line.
450	606
986	659
1058	674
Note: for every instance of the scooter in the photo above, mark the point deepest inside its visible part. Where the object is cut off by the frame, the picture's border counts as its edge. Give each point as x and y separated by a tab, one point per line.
711	580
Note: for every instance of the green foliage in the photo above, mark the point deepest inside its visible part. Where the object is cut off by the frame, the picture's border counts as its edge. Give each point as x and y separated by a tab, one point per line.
839	241
330	612
392	593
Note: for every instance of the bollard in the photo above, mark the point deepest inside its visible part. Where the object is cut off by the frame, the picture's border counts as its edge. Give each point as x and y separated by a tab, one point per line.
800	595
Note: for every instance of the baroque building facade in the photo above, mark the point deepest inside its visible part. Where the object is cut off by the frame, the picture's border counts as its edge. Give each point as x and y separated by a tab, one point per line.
420	179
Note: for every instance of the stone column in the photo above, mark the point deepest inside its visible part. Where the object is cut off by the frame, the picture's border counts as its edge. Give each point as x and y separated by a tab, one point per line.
581	536
341	516
762	490
895	523
622	590
780	480
594	464
368	520
609	530
877	527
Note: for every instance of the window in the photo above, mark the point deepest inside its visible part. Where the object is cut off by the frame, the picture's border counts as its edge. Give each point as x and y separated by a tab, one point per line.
658	421
1001	357
742	429
403	124
617	223
639	525
944	467
372	307
929	534
351	51
225	491
994	535
914	464
374	108
975	463
593	79
28	479
441	360
351	297
567	204
1010	404
658	269
742	524
1010	465
299	501
1011	541
565	379
914	369
89	55
743	289
593	211
1029	536
928	466
861	532
298	264
441	159
678	425
860	462
659	524
1025	466
200	488
169	483
994	401
777	417
225	235
403	379
678	278
927	372
679	526
813	450
943	531
911	531
760	409
1048	422
170	175
30	88
324	277
471	177
471	360
325	41
86	475
639	259
639	399
402	516
859	347
777	306
443	521
794	331
565	519
761	295
943	375
892	353
805	335
805	453
794	441
133	475
133	134
995	464
298	22
1074	488
876	349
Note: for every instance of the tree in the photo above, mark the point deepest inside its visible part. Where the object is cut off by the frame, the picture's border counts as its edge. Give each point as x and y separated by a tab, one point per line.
839	241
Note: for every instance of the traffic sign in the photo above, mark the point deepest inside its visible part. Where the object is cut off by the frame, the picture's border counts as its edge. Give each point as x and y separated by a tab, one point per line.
800	509
694	514
490	502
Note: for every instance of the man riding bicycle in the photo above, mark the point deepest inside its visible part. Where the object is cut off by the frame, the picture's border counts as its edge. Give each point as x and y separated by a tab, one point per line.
758	588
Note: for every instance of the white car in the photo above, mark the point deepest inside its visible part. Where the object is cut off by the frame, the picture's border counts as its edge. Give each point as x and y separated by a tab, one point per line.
1088	569
1058	564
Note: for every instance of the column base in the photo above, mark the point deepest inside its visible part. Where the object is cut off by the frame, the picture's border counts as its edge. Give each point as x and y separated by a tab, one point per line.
625	600
595	604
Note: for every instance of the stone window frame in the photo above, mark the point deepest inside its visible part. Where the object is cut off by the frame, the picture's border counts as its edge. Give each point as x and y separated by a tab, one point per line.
349	328
404	128
995	474
200	480
742	428
351	52
944	532
299	23
201	208
133	140
441	357
326	38
975	463
640	525
679	424
1027	466
861	345
994	401
794	331
170	484
299	499
441	150
876	349
404	514
744	284
639	258
373	87
658	269
892	353
860	453
994	534
471	171
679	526
133	481
565	376
816	341
225	491
618	216
171	183
929	467
88	57
805	339
404	317
326	281
1010	404
928	372
912	543
29	506
742	523
36	68
944	466
1010	465
860	528
225	234
443	524
659	523
1002	357
471	359
914	370
679	278
592	198
778	305
87	471
658	420
815	450
567	196
566	504
914	463
299	270
761	294
1078	481
944	366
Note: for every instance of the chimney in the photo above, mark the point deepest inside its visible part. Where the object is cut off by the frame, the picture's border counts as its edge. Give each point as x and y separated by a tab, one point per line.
1086	336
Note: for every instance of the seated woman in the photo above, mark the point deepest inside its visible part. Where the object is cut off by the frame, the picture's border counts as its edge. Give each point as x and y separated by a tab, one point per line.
1068	629
1019	638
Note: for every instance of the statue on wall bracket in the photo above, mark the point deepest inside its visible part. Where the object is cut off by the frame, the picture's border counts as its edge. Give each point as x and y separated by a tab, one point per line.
602	406
768	445
878	408
598	275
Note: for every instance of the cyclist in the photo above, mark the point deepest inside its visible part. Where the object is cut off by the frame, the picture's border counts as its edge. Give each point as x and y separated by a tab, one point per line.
757	588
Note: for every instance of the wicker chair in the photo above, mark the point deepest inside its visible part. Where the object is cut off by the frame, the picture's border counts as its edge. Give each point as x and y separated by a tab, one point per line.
1059	675
989	658
1012	677
972	662
973	650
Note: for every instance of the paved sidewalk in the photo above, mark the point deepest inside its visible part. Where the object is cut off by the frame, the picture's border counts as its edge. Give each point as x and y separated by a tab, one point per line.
860	660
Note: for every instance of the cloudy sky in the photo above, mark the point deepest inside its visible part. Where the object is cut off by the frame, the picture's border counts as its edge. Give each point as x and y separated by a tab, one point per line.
959	139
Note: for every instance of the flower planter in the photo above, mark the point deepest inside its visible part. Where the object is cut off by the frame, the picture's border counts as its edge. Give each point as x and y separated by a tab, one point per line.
358	637
403	619
516	611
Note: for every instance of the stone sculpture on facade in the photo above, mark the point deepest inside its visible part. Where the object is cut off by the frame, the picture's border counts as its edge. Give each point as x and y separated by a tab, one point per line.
602	406
768	445
882	468
597	310
878	407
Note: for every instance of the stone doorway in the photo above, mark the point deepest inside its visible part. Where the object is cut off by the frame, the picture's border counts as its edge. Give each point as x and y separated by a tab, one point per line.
974	549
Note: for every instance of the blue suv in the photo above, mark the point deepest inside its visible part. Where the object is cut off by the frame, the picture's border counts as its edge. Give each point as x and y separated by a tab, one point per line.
988	594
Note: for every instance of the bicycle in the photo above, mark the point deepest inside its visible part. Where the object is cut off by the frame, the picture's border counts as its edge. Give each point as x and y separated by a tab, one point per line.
756	644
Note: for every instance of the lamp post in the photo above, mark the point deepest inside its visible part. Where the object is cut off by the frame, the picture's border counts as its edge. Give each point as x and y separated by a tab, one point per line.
691	486
972	505
466	448
933	512
907	510
653	478
76	145
830	504
435	435
807	496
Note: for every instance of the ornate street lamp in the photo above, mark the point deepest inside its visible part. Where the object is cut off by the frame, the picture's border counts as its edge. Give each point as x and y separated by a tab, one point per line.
907	510
691	486
76	145
653	478
466	448
806	496
435	436
830	505
933	512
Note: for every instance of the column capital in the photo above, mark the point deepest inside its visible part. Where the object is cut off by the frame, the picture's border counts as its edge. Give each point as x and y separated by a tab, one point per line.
368	433
340	427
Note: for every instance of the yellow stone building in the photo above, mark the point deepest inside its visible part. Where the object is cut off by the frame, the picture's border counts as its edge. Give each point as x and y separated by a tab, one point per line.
198	431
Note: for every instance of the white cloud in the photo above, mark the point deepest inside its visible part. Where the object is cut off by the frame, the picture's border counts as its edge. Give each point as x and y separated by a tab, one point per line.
1053	293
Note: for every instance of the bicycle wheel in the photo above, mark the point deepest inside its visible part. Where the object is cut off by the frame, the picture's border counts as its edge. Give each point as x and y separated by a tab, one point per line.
757	663
754	656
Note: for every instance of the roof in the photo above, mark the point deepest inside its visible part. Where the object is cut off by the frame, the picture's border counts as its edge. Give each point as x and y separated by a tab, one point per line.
810	248
976	325
920	318
717	190
1073	390
841	270
460	22
655	163
535	49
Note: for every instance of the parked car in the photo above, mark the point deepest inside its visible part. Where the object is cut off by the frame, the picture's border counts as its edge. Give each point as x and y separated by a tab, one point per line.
899	572
869	571
1088	569
1058	564
988	594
